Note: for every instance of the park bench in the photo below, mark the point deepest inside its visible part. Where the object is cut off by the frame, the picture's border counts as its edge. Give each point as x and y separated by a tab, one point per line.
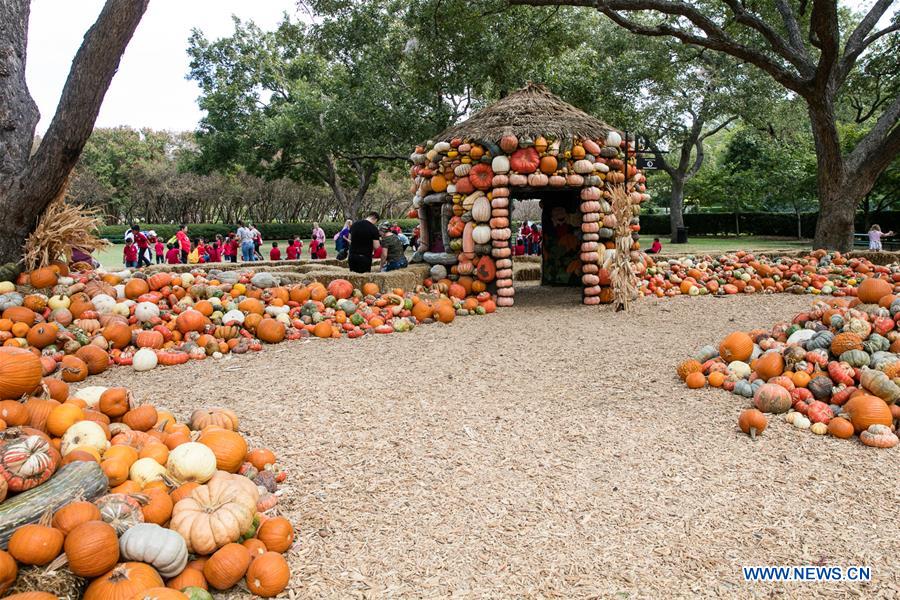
861	240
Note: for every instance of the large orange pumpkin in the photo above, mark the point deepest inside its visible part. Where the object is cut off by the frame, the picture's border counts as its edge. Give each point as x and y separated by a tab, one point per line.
20	372
270	331
872	289
865	410
41	335
191	320
136	288
44	278
228	446
444	312
736	346
769	365
96	358
340	289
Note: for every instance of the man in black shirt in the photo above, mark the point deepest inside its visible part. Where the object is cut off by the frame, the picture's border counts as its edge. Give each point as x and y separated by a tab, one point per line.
364	238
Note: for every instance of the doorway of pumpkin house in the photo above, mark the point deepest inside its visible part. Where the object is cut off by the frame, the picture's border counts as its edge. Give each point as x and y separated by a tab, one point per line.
561	233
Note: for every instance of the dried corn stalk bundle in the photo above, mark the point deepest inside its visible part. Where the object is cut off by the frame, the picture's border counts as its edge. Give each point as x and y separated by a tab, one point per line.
624	282
61	228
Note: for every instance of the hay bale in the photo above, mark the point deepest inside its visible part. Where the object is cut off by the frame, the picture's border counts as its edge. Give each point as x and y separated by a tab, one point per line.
526	272
58	581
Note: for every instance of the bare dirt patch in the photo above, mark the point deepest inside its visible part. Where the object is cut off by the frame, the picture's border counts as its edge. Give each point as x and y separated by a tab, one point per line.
545	451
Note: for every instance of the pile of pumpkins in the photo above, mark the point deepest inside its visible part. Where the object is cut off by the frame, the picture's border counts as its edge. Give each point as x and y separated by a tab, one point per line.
743	272
81	323
117	499
471	181
834	369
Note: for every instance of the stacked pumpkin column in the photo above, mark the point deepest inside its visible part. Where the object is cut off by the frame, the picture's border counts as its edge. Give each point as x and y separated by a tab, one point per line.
590	256
500	234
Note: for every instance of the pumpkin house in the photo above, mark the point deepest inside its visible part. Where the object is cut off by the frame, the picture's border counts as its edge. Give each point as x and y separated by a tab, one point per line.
528	145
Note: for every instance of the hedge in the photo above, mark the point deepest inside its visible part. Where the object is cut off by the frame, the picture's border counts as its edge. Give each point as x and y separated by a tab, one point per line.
774	224
269	231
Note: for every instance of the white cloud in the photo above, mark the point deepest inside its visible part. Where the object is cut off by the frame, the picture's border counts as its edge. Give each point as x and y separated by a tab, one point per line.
150	89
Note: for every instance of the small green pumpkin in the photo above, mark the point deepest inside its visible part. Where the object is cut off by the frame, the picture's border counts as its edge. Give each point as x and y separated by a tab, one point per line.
856	358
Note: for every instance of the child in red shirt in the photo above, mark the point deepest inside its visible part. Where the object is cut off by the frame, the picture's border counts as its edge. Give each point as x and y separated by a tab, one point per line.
274	253
213	252
314	249
130	253
173	255
160	249
321	253
292	250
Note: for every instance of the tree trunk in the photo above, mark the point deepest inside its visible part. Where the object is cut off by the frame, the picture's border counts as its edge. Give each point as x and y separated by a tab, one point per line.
31	182
676	205
834	227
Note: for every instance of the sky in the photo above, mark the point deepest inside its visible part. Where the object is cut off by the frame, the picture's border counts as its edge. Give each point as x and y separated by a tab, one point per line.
150	89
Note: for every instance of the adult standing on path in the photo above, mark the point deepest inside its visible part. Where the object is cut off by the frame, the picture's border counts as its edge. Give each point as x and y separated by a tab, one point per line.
318	234
245	237
393	257
342	240
184	243
364	238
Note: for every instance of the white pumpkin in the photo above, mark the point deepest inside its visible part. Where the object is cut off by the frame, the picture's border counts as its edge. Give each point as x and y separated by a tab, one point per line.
162	548
500	164
438	272
233	315
191	461
144	359
819	428
146	311
122	308
186	279
613	139
120	291
740	369
103	303
481	234
277	310
284	318
801	422
442	147
90	394
583	167
7	287
58	301
481	210
84	433
145	470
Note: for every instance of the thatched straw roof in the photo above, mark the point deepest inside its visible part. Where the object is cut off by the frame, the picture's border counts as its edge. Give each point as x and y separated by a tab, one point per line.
528	112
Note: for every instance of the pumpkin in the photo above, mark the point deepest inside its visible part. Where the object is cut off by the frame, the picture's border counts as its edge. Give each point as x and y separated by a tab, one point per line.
141	418
73	369
13	413
769	365
228	447
820	387
695	380
772	398
20	372
32	596
27	462
865	410
819	412
481	176
42	335
36	543
879	436
191	320
218	417
268	575
841	428
123	582
271	331
524	160
45	277
843	342
485	270
62	417
84	433
276	533
162	548
189	577
752	422
149	339
444	312
872	289
191	461
227	566
115	402
256	547
481	210
135	288
8	571
216	513
92	548
880	385
340	288
121	511
687	367
158	508
260	457
71	515
736	346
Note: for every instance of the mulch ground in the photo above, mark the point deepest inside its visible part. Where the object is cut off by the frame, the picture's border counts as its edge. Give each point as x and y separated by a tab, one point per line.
545	451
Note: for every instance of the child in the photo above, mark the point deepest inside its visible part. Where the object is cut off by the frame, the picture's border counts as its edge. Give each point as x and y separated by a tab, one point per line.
520	246
655	247
321	253
314	249
274	253
173	255
292	250
875	236
214	250
130	253
201	250
233	245
536	239
160	249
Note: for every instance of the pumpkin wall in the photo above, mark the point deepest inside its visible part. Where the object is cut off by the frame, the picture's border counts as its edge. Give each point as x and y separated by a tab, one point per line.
468	183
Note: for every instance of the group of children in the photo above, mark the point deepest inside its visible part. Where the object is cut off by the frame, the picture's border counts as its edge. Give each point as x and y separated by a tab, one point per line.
529	239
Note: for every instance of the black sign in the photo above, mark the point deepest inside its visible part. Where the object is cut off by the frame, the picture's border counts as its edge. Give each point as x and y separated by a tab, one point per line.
647	163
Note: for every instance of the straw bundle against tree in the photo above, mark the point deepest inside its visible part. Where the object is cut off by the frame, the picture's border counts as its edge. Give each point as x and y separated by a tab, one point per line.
624	283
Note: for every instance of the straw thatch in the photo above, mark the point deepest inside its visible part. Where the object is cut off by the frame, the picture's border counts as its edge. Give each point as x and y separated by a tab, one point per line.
528	112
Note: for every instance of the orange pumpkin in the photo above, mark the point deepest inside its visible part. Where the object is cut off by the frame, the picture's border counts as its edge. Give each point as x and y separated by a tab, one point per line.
41	335
123	582
20	372
271	331
96	358
136	288
736	346
118	334
45	277
228	446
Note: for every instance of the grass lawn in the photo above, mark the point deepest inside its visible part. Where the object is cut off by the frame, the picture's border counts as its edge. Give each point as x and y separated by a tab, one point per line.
111	258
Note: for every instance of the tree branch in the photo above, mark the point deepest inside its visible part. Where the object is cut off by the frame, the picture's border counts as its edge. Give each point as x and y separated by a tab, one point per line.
718	127
661	158
698	159
879	147
778	43
792	26
824	25
858	41
92	71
